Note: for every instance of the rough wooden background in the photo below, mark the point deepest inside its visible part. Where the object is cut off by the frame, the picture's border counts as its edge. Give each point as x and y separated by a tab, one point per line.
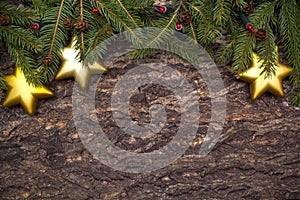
257	157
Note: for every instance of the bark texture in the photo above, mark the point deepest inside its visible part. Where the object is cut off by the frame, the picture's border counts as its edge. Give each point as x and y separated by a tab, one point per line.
257	156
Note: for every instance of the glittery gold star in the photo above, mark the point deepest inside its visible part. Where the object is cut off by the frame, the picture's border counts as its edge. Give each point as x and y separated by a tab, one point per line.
21	92
72	68
259	84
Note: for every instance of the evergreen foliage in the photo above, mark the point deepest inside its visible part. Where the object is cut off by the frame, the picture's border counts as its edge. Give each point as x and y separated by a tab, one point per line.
212	20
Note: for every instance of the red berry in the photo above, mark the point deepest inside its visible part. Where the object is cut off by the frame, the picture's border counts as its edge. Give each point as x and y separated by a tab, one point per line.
250	27
35	26
162	9
178	26
95	10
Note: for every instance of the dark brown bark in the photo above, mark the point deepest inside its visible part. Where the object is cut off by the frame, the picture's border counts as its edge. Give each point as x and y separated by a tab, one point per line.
257	157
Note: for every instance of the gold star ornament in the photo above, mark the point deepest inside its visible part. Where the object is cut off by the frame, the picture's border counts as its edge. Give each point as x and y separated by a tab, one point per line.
259	84
72	68
21	92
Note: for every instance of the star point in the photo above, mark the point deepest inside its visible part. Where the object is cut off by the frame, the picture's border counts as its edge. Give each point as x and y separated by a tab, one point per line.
72	68
21	92
259	84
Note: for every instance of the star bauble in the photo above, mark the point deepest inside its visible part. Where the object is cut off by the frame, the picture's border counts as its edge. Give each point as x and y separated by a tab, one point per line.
259	84
21	92
72	68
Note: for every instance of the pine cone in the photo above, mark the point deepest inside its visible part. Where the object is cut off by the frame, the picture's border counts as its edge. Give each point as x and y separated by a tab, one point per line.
47	60
81	25
249	8
68	24
261	34
4	20
185	17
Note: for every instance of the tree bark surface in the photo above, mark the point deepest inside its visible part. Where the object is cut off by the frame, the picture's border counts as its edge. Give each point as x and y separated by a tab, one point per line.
257	156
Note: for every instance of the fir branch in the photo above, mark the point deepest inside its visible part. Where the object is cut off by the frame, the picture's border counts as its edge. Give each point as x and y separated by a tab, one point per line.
201	26
116	19
166	26
226	51
40	7
140	4
53	28
18	16
240	3
2	82
206	29
21	43
204	19
128	14
243	51
56	27
20	37
266	50
99	30
290	36
24	59
222	12
263	15
101	33
295	97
